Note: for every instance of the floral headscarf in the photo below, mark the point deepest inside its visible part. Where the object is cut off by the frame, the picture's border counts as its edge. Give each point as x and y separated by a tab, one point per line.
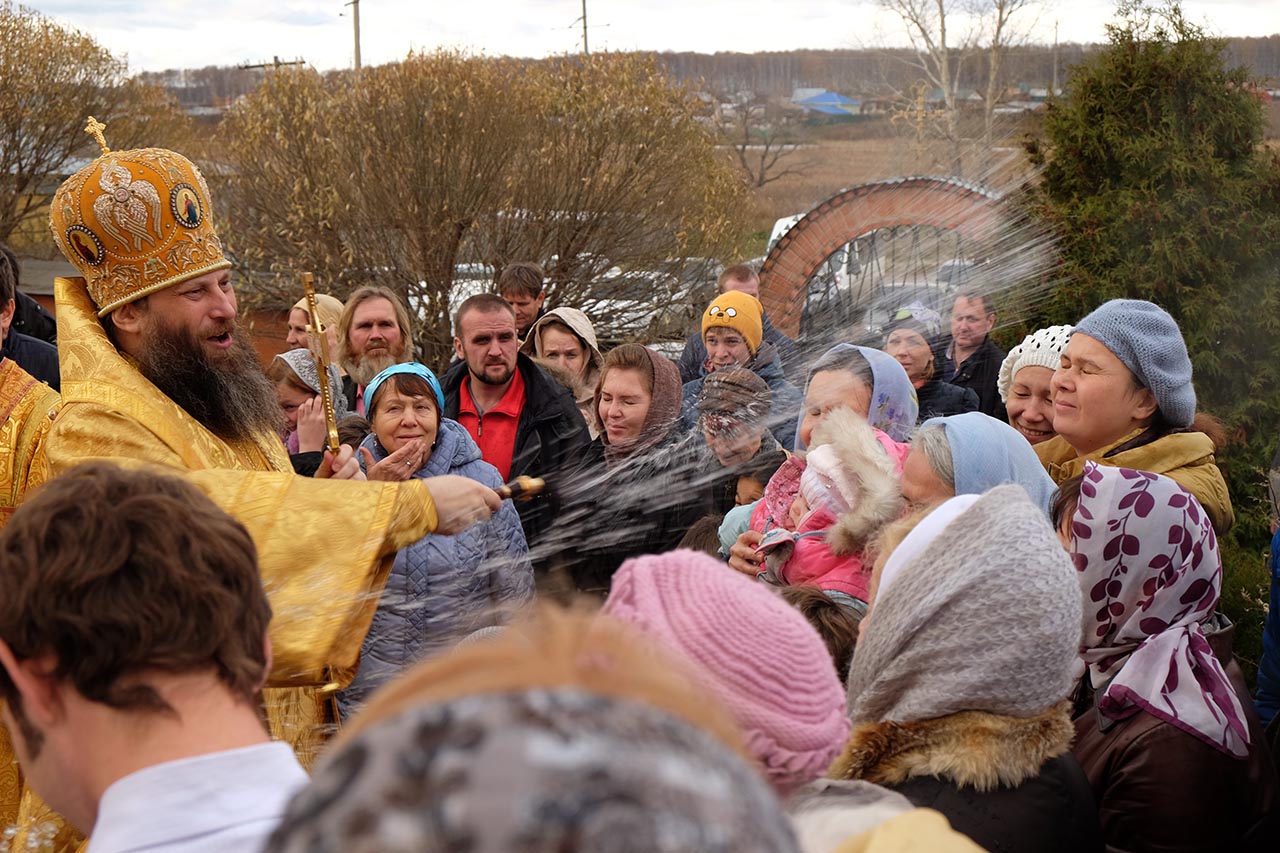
893	407
551	769
303	364
1151	573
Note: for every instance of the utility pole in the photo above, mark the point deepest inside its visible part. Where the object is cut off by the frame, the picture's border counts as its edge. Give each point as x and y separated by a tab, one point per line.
355	23
1054	90
586	50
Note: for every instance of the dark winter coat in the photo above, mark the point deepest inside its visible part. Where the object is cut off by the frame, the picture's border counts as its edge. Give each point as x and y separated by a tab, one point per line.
551	437
442	588
643	505
306	464
36	357
1160	788
693	358
786	398
939	399
965	765
31	319
349	389
1268	699
979	373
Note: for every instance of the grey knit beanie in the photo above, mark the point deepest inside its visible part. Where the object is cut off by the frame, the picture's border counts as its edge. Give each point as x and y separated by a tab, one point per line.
975	622
1143	336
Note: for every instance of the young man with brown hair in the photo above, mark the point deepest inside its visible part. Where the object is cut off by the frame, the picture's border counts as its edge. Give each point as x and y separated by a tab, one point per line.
133	649
523	286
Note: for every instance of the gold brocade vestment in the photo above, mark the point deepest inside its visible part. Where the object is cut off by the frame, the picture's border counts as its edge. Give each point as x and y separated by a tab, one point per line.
324	547
27	407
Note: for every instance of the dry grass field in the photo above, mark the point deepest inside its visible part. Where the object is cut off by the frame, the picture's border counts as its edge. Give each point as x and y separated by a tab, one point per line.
880	150
828	166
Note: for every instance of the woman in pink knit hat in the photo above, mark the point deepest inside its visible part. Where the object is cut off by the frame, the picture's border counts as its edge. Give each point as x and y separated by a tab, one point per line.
750	649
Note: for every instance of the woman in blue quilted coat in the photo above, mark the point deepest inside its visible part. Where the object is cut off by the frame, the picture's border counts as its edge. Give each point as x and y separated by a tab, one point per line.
441	588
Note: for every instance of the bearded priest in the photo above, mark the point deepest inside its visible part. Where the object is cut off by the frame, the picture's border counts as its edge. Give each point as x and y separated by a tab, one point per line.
157	372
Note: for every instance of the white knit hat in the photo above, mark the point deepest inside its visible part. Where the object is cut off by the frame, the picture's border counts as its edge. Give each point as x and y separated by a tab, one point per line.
1041	348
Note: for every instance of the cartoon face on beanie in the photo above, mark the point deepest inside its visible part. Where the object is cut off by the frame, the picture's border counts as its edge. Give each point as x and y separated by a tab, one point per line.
738	311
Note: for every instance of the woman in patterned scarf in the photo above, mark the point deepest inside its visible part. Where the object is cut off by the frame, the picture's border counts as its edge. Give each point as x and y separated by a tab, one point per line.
1170	742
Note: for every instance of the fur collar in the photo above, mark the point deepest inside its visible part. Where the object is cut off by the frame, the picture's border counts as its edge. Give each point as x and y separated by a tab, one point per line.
970	748
865	459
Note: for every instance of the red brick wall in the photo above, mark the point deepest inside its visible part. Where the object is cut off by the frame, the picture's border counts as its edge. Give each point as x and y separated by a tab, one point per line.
268	330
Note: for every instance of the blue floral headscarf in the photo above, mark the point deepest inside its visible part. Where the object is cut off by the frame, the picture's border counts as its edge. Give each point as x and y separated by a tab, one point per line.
893	407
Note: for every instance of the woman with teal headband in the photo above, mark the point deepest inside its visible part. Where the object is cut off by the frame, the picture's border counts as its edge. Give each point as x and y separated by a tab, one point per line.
441	588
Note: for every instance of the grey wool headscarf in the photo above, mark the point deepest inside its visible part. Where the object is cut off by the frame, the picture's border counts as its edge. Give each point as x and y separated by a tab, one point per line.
985	617
303	363
556	770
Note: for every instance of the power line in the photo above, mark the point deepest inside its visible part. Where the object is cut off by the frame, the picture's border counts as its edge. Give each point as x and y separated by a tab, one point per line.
275	62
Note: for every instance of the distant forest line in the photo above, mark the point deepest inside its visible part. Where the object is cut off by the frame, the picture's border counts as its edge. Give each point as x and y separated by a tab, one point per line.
853	72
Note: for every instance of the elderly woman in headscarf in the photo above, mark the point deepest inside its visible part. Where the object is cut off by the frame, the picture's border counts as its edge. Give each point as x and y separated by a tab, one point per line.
297	382
330	310
1123	396
1168	738
914	338
566	733
565	339
967	455
643	490
441	588
867	381
958	689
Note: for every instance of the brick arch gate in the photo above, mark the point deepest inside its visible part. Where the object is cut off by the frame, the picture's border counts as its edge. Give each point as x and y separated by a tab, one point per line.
972	211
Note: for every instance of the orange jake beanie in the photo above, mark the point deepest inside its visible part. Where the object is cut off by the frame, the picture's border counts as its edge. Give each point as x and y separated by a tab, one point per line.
738	311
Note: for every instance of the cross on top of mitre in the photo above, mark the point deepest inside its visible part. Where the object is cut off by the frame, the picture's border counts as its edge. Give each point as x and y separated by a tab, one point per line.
94	128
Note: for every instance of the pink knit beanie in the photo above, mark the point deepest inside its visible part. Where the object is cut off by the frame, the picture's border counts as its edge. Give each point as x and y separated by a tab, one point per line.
751	648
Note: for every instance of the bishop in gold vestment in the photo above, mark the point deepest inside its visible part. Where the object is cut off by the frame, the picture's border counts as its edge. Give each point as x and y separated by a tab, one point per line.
138	222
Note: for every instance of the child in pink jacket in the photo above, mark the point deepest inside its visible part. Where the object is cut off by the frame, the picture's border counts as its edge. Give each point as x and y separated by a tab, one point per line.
818	514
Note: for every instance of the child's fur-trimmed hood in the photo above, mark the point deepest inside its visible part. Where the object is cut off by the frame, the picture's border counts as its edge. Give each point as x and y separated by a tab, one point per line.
873	462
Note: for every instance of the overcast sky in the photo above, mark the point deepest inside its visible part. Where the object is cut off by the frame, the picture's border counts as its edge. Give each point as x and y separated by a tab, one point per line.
160	34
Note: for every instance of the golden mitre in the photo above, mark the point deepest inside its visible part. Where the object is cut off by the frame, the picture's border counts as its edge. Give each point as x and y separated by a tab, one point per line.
134	222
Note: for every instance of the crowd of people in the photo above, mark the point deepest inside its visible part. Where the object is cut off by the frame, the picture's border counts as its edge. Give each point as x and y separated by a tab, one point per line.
924	595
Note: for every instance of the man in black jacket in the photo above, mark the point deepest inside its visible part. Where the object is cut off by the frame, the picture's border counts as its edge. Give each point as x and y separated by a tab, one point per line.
977	360
524	421
36	357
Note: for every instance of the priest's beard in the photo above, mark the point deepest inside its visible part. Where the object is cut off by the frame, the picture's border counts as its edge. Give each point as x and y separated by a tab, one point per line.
364	367
231	396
